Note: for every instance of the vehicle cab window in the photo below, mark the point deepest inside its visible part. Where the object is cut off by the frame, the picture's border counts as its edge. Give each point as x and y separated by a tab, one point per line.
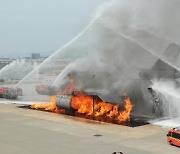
169	134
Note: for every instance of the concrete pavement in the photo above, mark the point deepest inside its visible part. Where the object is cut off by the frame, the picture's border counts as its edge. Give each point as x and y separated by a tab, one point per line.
25	131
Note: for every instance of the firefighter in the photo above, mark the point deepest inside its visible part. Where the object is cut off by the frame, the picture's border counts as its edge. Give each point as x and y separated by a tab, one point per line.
157	105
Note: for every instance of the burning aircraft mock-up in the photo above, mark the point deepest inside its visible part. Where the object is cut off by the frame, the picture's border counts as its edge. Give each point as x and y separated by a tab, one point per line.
144	99
83	95
88	103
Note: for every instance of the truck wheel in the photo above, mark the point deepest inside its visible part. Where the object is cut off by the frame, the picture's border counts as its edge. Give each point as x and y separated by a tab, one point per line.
170	142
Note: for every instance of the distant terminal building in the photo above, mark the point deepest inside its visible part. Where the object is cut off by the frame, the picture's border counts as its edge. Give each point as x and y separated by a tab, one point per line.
35	56
4	62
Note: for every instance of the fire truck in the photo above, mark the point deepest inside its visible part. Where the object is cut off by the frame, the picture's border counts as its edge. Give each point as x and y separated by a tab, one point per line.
173	136
46	89
9	93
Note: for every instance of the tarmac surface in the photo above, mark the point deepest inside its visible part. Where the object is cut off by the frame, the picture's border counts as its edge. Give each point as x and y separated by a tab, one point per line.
24	131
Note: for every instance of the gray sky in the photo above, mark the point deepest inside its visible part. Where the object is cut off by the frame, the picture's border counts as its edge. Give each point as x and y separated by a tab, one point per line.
43	26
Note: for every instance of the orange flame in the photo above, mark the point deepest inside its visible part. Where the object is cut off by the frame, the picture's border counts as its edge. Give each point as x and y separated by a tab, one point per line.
48	107
91	107
88	106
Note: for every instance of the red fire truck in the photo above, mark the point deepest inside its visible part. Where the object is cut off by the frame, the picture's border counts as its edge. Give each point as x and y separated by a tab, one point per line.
46	89
173	136
8	93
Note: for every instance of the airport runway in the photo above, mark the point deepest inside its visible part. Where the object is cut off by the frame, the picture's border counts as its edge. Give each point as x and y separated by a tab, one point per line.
24	131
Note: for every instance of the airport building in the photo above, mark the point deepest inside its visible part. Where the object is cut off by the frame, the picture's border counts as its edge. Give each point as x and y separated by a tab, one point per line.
35	56
4	62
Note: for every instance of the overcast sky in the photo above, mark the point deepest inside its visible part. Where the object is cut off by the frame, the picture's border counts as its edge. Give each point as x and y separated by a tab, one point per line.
41	26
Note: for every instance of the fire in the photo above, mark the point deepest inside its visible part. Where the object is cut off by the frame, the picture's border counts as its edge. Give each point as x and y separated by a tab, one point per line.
99	110
92	107
49	107
82	103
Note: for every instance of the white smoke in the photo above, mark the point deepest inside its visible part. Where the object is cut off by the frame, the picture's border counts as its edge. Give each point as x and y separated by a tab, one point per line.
115	52
128	36
124	37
